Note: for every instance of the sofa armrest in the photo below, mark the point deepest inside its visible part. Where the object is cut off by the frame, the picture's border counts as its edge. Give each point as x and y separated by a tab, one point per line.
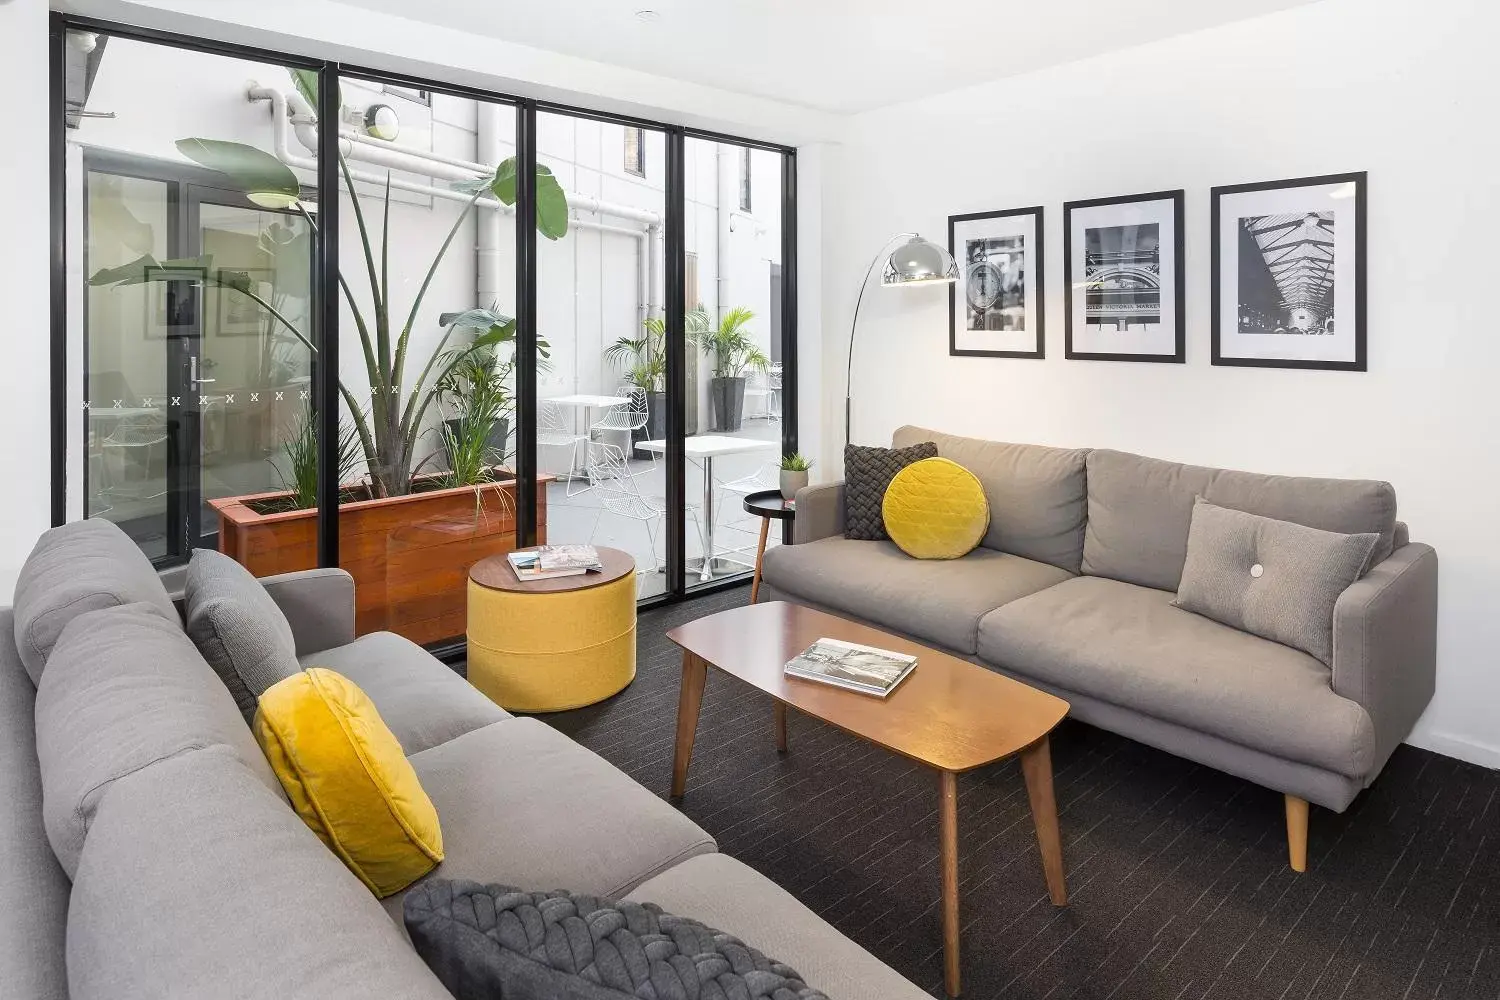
319	604
1385	643
820	512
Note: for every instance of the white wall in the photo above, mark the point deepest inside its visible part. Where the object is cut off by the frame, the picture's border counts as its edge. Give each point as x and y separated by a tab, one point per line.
24	278
1405	93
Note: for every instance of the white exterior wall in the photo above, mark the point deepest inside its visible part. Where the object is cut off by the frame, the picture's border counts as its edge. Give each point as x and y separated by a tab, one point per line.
1406	94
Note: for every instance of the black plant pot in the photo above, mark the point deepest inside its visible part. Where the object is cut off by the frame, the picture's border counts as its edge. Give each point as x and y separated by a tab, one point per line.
727	397
495	440
655	428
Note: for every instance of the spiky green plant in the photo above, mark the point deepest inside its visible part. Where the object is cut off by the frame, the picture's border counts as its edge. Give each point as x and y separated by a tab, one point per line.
300	478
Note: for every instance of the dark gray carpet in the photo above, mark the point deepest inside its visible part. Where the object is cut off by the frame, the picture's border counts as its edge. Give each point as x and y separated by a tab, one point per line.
1178	876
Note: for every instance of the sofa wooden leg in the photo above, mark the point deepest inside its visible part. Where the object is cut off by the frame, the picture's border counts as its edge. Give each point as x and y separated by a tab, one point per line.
1296	832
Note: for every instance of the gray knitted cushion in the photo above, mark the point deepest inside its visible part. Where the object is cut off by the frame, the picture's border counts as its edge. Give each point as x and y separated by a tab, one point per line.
867	474
239	630
487	942
1271	578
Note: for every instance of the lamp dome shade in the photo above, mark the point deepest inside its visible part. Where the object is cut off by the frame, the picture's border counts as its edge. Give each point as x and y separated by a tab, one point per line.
919	261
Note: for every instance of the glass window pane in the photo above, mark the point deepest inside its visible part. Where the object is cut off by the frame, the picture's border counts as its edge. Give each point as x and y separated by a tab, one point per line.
733	366
426	352
196	277
601	407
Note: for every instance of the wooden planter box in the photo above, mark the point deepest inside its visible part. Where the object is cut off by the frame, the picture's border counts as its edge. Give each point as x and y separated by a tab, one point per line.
409	555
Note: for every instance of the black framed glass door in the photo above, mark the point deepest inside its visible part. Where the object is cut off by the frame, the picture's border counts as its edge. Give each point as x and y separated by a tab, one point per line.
194	391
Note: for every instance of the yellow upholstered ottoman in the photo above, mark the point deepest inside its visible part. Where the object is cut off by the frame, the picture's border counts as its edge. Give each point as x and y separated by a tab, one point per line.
551	645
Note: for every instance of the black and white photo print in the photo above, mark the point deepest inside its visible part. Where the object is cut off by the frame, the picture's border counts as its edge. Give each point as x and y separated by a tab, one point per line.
995	307
1289	273
1122	275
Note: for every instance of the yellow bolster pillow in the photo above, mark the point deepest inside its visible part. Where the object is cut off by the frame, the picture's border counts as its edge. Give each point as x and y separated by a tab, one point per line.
349	779
935	509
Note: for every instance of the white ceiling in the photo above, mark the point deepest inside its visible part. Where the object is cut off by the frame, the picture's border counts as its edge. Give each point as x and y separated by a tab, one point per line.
833	55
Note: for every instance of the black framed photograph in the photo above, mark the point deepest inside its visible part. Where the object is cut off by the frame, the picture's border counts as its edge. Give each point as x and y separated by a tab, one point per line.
1289	273
995	306
1122	277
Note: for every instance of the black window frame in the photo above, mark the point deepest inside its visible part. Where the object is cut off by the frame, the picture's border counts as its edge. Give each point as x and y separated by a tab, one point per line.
326	307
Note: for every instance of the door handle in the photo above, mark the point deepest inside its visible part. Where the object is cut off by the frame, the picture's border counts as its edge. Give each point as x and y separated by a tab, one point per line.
193	378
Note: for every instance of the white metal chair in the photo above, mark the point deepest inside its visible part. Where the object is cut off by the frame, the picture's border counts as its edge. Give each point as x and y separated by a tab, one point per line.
620	422
554	431
619	494
766	387
135	459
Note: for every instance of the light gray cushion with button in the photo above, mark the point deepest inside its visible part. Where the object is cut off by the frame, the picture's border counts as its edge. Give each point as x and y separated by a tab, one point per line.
1271	578
74	569
238	628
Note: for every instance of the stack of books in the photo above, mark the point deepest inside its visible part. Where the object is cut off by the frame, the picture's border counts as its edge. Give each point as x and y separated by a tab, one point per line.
850	665
548	562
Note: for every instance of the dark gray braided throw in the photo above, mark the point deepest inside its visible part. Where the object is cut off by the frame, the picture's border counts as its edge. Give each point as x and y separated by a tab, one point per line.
493	942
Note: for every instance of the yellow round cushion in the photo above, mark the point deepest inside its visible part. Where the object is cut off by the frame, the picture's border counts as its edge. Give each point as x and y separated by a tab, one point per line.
935	509
348	778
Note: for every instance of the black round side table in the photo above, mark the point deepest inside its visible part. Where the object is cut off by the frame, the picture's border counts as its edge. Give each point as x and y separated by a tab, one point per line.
768	506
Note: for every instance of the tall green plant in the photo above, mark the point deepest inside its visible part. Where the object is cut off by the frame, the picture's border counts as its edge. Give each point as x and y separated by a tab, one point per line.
733	351
388	432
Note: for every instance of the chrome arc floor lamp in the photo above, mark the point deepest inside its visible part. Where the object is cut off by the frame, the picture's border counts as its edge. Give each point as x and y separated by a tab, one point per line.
910	261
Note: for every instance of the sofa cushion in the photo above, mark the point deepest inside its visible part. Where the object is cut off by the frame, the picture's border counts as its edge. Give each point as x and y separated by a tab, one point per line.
1128	646
1037	494
939	602
522	804
348	778
73	569
422	700
125	690
1139	510
935	509
1271	578
33	888
726	894
867	473
238	628
197	882
488	941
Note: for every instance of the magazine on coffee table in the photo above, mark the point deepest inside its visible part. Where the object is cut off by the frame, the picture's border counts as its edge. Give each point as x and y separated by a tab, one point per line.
849	665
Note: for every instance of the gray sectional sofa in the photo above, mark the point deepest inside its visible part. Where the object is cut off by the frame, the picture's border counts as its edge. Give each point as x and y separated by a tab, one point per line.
1071	590
146	850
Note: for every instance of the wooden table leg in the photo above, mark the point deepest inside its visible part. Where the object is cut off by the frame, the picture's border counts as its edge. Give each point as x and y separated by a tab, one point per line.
760	553
948	852
1036	765
689	699
780	726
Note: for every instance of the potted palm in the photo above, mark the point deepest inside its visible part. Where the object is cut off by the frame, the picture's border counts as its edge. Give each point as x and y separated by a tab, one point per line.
734	354
387	424
642	362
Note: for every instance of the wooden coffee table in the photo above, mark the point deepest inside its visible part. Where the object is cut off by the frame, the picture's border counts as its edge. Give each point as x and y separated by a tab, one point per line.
950	714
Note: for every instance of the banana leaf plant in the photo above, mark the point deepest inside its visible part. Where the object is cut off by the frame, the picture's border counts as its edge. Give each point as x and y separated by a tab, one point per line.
389	424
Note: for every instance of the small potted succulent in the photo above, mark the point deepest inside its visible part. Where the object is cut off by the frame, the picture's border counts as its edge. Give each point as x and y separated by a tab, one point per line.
794	469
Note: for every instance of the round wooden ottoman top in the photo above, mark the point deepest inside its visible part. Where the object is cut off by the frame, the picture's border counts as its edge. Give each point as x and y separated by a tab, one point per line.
495	572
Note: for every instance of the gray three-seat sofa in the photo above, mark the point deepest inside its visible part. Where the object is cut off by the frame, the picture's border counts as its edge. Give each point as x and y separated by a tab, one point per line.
1071	590
147	851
